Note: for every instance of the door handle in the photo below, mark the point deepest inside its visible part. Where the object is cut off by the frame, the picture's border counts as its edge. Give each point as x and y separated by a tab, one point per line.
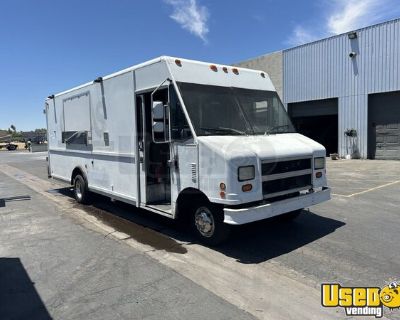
141	146
173	163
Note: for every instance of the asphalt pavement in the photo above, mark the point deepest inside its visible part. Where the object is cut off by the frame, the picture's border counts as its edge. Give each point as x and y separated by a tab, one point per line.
111	260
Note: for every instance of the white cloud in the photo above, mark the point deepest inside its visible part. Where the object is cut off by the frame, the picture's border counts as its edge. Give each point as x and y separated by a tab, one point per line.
352	14
300	36
191	17
344	15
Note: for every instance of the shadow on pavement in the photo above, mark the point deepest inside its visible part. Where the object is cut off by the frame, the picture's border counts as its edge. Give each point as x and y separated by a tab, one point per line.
16	198
263	240
18	296
251	243
147	227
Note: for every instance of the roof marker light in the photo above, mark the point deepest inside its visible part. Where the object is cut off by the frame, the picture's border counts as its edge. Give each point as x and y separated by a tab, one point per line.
235	71
225	69
178	62
214	68
263	74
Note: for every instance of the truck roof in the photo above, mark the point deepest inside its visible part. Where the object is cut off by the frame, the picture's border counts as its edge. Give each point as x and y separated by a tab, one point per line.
168	59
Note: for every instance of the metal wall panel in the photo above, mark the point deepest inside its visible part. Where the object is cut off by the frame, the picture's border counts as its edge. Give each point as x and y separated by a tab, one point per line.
323	69
353	114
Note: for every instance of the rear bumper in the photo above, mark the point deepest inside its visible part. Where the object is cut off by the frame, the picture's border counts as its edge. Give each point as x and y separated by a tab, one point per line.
246	215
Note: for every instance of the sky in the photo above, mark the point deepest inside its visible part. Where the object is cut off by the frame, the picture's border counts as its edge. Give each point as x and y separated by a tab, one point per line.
47	46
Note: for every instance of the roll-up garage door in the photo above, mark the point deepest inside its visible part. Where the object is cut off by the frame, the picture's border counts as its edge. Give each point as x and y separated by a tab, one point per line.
384	125
318	120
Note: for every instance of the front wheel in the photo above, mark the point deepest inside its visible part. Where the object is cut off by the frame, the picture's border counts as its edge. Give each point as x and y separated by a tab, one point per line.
208	224
81	191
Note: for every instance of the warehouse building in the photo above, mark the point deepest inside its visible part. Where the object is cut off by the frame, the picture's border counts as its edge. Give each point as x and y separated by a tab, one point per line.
343	91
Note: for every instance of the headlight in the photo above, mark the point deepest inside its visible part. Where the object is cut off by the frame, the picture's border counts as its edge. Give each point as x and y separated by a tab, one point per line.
319	163
246	173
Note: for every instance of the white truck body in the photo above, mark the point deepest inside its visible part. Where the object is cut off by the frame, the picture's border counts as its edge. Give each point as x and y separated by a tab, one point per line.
105	130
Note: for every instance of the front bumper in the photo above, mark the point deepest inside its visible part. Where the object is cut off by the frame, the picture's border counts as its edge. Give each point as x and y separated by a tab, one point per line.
246	215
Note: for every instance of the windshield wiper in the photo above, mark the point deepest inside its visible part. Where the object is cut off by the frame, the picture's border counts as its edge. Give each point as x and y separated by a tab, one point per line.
271	129
224	130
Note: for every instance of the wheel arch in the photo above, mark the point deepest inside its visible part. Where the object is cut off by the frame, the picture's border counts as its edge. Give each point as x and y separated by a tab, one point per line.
185	198
78	170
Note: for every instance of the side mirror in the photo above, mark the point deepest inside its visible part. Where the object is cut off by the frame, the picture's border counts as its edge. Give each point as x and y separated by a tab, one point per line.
160	122
158	127
158	111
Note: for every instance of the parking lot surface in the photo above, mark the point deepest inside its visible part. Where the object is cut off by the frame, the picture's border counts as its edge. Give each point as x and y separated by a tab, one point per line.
111	260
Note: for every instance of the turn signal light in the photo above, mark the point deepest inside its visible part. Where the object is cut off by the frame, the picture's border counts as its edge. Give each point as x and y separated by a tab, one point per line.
247	187
318	175
222	194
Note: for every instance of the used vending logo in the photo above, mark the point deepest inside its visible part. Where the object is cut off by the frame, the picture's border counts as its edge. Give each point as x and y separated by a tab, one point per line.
361	301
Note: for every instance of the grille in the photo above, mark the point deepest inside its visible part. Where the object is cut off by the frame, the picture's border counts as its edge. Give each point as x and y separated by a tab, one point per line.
285	166
274	186
285	177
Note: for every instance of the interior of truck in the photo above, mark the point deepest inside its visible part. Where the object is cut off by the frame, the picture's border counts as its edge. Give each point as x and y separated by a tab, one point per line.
156	155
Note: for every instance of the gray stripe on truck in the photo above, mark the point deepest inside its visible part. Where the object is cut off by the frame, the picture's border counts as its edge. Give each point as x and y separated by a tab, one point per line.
105	157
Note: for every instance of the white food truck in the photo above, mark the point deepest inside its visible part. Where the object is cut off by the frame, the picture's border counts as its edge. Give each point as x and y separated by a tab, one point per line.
187	139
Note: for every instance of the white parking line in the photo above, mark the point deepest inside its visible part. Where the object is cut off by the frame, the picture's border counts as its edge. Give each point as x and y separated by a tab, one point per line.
365	191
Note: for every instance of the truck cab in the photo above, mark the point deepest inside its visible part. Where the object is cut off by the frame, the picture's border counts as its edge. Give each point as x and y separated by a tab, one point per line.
236	157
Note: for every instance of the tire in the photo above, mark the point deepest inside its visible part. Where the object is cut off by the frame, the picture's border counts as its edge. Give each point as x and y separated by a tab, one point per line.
208	224
290	216
81	191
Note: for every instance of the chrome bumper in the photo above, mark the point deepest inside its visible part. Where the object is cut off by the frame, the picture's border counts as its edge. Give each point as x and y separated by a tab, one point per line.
246	215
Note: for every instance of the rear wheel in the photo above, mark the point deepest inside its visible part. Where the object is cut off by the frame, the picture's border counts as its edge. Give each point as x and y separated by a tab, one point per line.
81	191
208	224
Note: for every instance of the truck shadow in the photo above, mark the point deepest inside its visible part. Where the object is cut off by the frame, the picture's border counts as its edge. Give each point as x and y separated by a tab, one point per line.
251	243
18	296
263	240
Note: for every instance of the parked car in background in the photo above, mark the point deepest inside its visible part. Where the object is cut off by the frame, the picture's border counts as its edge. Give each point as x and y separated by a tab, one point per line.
11	146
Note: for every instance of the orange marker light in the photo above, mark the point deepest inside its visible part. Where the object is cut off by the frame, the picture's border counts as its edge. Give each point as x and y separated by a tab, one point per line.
225	69
222	186
235	71
263	74
178	62
214	68
247	187
222	194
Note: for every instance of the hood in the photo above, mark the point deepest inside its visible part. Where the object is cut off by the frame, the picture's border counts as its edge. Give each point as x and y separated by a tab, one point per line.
287	145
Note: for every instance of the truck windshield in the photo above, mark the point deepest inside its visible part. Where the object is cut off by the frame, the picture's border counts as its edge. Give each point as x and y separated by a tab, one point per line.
216	110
